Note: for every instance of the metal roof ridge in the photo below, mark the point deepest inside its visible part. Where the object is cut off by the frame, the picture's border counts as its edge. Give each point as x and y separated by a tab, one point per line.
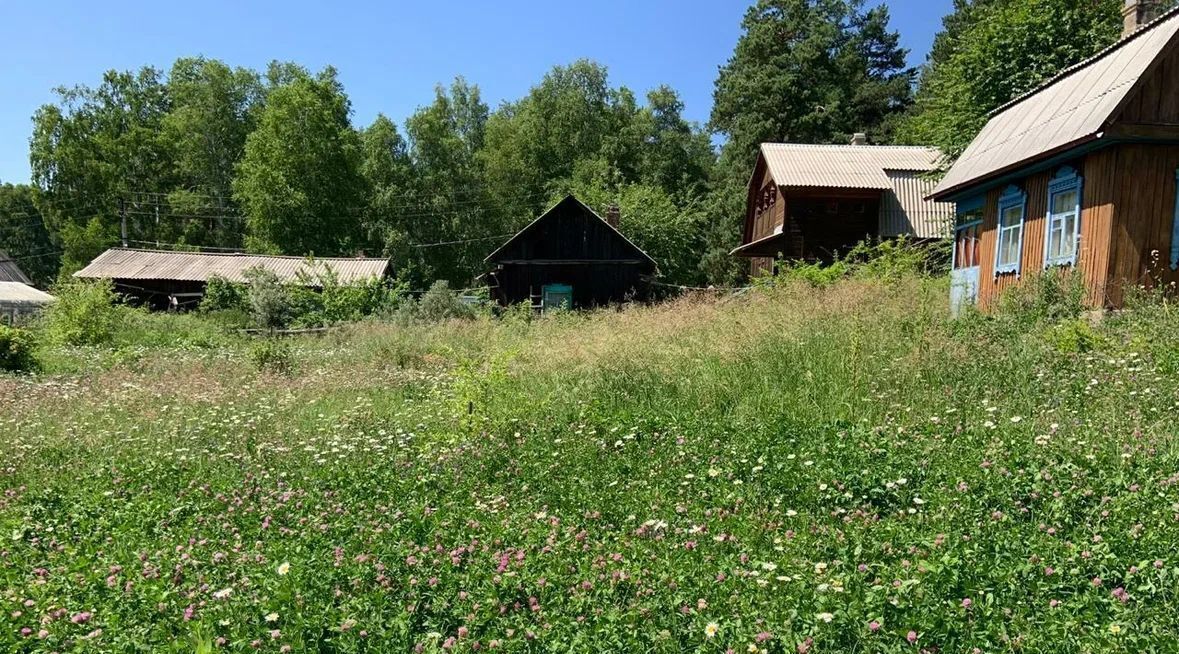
245	254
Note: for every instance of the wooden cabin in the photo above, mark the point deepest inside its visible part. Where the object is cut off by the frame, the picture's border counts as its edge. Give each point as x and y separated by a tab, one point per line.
569	257
176	280
812	202
1078	174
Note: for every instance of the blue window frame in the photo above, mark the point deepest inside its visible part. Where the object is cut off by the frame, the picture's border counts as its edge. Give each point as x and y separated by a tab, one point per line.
1063	224
1009	235
1175	227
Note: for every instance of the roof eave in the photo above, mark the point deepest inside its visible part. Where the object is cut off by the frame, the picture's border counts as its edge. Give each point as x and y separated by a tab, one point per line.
971	186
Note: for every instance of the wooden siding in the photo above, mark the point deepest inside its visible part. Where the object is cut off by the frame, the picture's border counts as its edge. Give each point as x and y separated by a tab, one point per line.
1127	214
1156	102
1142	222
1031	261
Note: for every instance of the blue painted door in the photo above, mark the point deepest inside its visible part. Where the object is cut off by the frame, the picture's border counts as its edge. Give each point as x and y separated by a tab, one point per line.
964	272
557	296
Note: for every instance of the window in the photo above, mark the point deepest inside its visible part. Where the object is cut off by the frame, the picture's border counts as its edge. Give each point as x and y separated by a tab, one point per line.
967	231
1064	218
1012	205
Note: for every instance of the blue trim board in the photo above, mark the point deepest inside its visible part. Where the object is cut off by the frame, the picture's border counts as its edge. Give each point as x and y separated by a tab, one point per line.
1065	180
1175	228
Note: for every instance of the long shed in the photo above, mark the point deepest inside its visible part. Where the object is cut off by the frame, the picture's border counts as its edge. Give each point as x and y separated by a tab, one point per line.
572	257
1079	174
164	279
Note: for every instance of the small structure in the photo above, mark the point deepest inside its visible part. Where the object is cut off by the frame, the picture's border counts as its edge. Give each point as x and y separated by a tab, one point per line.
17	296
810	202
569	257
1078	174
164	279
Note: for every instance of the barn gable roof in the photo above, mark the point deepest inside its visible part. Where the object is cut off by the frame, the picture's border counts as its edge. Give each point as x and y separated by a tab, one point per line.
1067	111
120	263
567	207
9	271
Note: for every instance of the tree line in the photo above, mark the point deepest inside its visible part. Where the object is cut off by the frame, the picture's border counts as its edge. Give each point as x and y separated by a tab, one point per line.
207	155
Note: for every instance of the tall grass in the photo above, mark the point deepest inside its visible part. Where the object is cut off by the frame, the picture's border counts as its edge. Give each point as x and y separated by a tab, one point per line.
835	467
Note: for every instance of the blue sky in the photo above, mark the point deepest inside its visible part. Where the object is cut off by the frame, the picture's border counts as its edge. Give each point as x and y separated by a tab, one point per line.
389	54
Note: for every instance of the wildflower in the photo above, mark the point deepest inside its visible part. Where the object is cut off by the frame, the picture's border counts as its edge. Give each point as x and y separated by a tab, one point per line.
711	630
911	637
1115	629
271	617
966	602
873	626
223	593
284	568
825	617
81	618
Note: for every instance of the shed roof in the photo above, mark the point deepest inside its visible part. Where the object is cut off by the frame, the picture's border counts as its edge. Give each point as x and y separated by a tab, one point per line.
9	271
119	263
1068	110
16	293
844	166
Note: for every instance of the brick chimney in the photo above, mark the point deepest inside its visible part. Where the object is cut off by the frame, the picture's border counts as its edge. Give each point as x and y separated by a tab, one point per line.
613	216
859	138
1136	13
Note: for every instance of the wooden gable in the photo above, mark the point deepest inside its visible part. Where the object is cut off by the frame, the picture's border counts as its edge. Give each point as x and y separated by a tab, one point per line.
570	232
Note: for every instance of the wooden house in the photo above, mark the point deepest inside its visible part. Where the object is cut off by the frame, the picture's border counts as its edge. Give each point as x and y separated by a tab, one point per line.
569	257
811	202
1078	174
173	280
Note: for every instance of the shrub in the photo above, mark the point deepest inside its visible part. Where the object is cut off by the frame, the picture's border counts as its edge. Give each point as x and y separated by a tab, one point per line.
222	295
440	303
16	350
269	302
85	313
1052	296
274	355
1075	336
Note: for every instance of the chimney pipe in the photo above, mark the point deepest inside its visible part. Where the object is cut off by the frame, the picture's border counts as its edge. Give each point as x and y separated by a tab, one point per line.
613	216
1136	13
859	138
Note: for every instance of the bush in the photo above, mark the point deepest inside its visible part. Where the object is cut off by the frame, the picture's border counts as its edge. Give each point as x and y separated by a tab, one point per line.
322	300
85	313
440	303
269	302
274	355
16	350
1053	296
222	295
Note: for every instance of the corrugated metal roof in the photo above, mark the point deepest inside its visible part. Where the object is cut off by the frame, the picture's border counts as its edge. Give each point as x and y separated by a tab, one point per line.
843	166
905	211
9	271
1068	110
16	293
119	263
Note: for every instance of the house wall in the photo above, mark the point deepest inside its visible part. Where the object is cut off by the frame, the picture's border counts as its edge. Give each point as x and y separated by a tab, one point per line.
1127	212
762	220
1156	102
1143	214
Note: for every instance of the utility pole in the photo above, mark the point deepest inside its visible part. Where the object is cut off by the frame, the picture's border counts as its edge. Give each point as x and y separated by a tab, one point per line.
123	220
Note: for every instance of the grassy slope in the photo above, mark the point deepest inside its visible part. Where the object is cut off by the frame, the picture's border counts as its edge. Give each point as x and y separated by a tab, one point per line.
796	463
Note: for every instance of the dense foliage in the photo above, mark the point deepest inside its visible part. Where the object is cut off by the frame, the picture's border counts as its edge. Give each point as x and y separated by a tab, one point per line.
856	472
991	51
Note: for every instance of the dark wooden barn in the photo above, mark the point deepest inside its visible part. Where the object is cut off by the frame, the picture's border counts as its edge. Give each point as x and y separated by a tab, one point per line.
571	257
